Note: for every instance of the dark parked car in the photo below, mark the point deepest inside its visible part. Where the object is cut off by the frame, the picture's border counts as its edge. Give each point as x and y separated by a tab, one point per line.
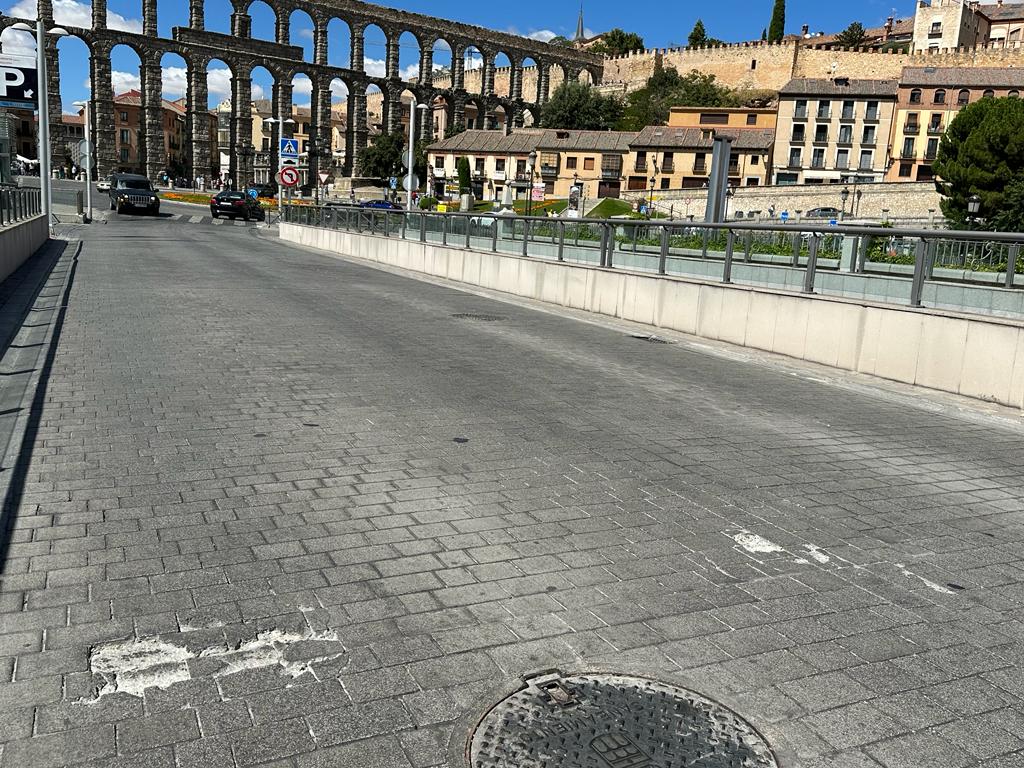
235	205
129	192
824	213
386	205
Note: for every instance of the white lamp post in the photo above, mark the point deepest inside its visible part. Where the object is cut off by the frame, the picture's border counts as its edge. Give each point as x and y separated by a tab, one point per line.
412	151
43	107
88	161
280	135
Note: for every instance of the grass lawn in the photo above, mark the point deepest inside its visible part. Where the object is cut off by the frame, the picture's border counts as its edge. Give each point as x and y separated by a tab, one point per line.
606	209
540	208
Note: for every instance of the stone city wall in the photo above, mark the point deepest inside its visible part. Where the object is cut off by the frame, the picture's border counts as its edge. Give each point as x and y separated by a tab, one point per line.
916	201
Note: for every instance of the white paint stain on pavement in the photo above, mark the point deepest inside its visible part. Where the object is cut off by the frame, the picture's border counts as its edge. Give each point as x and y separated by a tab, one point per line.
755	544
133	666
928	583
816	553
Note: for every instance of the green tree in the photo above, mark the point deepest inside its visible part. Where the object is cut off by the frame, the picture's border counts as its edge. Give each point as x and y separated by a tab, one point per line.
854	36
665	89
982	153
383	158
462	167
617	42
561	41
764	34
777	27
579	106
698	36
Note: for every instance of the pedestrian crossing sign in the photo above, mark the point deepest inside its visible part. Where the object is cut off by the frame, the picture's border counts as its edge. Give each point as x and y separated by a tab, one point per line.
289	148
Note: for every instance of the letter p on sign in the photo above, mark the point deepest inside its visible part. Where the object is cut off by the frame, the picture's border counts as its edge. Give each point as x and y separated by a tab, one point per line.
11	79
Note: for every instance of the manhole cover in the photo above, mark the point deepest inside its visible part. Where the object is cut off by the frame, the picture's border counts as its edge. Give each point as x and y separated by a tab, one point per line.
473	316
609	721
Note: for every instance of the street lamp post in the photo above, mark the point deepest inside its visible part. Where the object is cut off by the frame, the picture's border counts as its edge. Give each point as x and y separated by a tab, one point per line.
532	159
650	201
973	207
729	193
412	151
844	196
88	161
44	109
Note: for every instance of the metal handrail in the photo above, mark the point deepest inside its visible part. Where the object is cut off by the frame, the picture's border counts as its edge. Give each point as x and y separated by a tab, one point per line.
19	204
803	244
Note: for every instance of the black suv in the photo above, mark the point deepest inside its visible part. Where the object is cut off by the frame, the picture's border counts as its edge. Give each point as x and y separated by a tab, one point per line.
235	204
129	192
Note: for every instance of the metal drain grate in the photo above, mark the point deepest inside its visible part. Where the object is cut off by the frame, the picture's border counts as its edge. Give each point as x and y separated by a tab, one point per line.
474	316
648	337
612	721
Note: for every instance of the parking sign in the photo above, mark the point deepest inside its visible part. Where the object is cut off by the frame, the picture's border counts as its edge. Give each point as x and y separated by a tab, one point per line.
18	82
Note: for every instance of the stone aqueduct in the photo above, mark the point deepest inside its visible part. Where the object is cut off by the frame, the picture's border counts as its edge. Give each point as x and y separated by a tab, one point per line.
242	53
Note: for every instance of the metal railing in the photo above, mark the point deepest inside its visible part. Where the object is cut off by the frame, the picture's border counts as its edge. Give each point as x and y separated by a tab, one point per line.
797	255
18	204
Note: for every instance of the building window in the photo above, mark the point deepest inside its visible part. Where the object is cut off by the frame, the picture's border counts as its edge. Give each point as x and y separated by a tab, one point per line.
936	29
499	165
751	119
989	94
755	159
821	133
824	109
794	157
800	109
915	96
865	159
1013	95
570	163
479	166
588	163
940	96
908	147
963	97
932	149
124	154
665	182
785	178
714	118
125	136
798	132
818	158
266	143
753	181
520	167
936	122
700	162
124	117
843	158
641	162
848	110
668	162
871	113
439	161
845	134
753	64
869	135
905	169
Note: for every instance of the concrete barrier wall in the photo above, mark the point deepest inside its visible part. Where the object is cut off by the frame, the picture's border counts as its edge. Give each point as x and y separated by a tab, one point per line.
978	357
19	241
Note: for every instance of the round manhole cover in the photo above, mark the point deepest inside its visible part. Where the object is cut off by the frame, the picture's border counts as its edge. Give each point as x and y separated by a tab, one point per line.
610	721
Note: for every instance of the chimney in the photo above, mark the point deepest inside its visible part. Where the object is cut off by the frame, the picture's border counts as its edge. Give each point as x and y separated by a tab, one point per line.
887	29
805	30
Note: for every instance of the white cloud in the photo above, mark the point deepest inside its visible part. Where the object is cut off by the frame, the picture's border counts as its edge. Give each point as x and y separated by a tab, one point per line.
15	43
544	35
75	14
375	67
218	83
125	81
175	82
306	33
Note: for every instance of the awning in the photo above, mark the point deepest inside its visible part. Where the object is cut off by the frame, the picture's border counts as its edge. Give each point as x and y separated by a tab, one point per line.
21	159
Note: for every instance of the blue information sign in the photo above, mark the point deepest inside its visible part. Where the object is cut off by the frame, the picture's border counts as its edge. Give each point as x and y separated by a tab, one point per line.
784	215
253	194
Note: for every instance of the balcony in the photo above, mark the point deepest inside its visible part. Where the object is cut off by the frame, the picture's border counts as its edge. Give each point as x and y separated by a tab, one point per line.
908	154
865	167
798	139
912	128
733	169
824	114
549	170
640	167
700	168
936	130
611	173
848	114
800	114
820	139
668	168
871	116
842	165
929	154
818	165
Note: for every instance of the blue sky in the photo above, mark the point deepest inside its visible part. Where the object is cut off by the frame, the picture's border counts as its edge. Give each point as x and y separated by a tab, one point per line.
662	24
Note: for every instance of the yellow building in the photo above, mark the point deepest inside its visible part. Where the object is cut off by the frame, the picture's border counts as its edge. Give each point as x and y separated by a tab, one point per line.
595	160
721	118
666	158
833	131
927	101
495	162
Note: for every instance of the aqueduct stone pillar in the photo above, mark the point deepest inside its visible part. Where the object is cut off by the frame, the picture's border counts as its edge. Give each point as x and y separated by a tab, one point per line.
103	99
199	135
153	117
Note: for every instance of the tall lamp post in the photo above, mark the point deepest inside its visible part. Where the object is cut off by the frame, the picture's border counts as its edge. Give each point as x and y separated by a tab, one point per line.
650	202
729	194
973	207
575	185
532	160
844	196
88	161
43	107
410	174
280	135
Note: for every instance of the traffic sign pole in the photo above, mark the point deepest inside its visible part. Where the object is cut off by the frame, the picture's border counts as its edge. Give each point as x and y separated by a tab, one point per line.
88	165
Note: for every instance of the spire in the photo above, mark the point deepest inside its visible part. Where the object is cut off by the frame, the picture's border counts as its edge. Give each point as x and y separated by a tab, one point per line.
579	27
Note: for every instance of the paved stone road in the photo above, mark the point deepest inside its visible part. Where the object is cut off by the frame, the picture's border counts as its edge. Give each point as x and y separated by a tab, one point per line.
280	510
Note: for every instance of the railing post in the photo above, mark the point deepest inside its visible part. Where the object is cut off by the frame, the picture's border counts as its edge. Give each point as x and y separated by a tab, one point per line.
730	245
561	240
748	247
663	258
812	262
609	258
423	227
387	224
854	250
1011	264
3	194
405	223
862	254
604	244
930	259
444	230
704	244
494	235
917	284
469	229
526	237
797	243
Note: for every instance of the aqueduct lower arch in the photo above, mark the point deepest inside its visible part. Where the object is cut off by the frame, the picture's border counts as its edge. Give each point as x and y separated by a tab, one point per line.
241	52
